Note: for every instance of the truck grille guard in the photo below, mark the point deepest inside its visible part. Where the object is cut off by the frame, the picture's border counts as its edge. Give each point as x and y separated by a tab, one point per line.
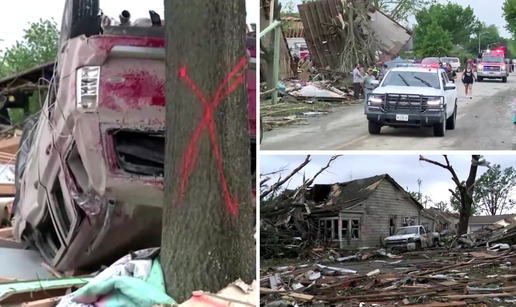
404	102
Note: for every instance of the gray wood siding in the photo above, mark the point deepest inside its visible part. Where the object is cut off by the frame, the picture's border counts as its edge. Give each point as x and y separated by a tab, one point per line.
386	201
431	223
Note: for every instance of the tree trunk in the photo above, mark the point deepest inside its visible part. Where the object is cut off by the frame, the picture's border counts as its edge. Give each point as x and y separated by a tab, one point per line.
467	198
205	245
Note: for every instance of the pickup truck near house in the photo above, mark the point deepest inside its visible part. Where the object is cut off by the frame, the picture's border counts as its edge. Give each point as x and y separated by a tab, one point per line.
412	238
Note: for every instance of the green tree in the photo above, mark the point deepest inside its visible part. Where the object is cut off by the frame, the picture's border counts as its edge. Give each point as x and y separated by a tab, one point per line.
38	45
493	190
489	35
509	13
435	41
401	10
460	22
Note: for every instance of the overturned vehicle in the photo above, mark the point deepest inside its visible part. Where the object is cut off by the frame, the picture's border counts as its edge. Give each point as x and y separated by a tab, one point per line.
89	175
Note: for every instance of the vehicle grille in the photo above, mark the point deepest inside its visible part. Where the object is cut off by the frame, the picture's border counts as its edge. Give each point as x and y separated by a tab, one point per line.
492	68
405	103
397	242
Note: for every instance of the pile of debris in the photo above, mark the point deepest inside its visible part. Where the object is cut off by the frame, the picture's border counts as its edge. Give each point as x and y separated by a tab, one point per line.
134	280
422	279
301	99
503	231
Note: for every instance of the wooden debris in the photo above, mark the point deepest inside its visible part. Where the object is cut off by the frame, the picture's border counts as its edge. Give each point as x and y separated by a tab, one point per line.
6	232
445	282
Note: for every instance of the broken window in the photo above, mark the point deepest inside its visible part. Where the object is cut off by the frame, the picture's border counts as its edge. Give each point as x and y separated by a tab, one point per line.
392	226
329	229
409	221
355	229
345	227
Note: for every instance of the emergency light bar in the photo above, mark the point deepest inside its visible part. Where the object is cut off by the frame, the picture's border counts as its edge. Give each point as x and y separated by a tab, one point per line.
407	65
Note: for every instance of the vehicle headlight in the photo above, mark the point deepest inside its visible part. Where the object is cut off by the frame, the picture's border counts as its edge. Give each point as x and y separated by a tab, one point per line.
480	67
503	67
375	100
88	79
411	239
435	102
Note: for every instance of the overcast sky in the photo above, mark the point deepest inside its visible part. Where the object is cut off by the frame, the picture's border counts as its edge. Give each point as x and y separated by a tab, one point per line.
405	169
488	11
15	18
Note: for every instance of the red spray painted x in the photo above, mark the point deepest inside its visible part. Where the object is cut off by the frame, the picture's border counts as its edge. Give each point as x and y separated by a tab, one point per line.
228	85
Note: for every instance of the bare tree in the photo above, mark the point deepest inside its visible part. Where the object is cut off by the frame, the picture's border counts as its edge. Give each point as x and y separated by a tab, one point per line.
466	190
208	217
441	206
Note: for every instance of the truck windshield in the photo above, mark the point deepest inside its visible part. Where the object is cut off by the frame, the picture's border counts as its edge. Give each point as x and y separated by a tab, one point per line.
412	78
492	59
407	231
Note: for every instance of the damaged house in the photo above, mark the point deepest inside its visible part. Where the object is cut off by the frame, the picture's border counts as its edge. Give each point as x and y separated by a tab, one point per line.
362	213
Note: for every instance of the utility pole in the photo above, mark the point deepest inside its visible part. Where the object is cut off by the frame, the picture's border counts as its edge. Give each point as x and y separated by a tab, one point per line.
208	219
480	34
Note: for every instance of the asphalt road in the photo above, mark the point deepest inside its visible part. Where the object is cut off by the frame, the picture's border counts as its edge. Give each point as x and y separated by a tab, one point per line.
483	123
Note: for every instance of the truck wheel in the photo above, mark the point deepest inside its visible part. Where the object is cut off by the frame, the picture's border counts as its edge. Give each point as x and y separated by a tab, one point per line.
480	79
504	79
80	17
436	242
374	127
418	246
440	129
450	122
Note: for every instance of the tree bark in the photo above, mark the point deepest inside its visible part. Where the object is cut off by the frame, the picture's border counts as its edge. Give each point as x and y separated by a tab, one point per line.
467	197
204	246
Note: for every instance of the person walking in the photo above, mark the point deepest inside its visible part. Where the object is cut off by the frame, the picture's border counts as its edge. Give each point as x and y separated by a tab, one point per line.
357	80
452	75
468	77
367	83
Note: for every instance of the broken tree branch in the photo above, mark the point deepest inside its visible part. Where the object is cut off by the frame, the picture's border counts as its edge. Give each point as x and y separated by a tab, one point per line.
307	183
282	181
448	166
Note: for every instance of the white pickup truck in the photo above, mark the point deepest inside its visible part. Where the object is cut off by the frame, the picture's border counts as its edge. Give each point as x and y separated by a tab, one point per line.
412	238
413	97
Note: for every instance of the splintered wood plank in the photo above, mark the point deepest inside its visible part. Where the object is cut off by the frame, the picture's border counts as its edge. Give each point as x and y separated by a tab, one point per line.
305	12
318	17
49	302
6	232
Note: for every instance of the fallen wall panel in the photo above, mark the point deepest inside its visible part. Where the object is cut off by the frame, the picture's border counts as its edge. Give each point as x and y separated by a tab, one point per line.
324	36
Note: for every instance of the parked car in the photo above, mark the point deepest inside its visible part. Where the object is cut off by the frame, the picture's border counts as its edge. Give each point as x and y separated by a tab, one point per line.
413	97
431	62
89	174
454	62
412	238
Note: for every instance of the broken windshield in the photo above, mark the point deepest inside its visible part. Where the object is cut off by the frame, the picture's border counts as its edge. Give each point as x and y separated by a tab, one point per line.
407	231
